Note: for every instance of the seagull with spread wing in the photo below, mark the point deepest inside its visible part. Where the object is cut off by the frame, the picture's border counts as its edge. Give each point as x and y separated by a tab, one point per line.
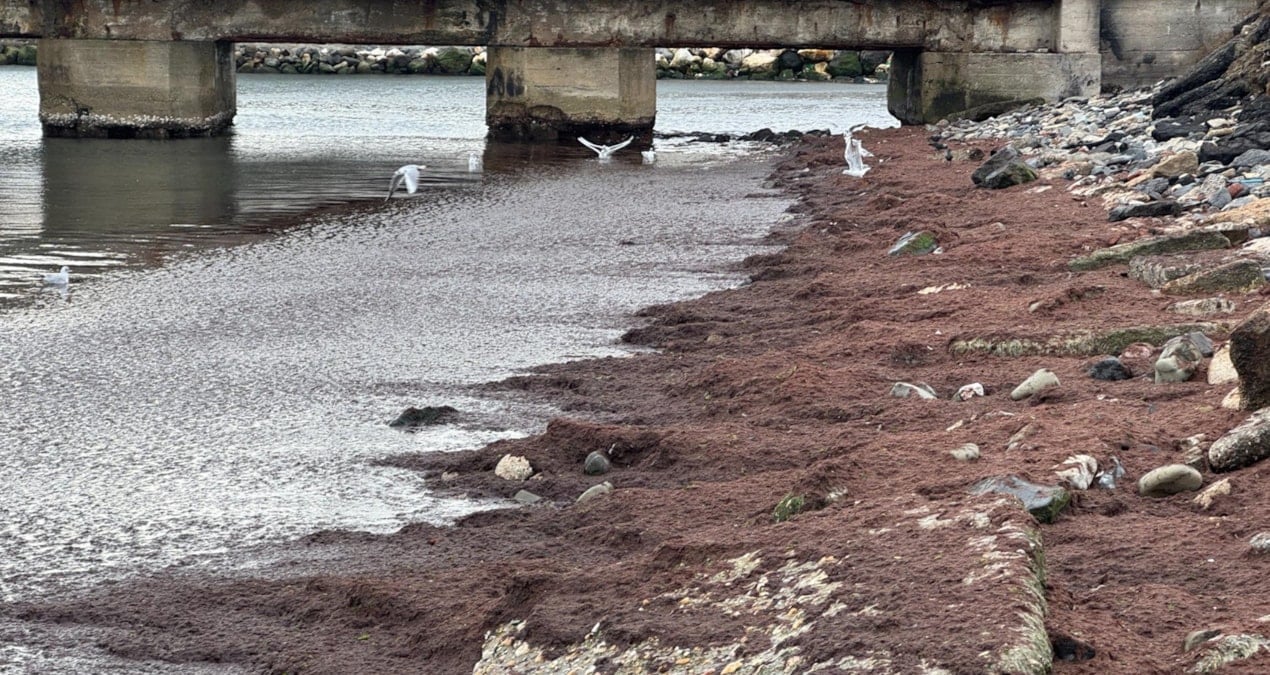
605	151
408	174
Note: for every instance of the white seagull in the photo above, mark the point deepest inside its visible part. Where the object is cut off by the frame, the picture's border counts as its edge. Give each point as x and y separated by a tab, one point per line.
605	151
649	156
855	153
59	278
409	174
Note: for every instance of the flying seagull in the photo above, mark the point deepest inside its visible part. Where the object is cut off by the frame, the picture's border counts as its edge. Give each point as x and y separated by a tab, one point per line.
60	278
605	151
409	174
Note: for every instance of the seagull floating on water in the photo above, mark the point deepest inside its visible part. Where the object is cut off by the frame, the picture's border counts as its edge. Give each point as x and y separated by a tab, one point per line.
649	156
59	278
408	174
473	162
605	151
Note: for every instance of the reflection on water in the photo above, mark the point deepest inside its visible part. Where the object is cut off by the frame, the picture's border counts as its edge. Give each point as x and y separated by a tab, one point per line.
299	143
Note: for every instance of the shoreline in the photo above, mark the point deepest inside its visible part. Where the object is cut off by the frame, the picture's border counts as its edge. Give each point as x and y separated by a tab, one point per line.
775	507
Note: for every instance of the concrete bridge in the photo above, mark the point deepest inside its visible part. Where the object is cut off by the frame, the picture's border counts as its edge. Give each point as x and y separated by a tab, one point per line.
164	68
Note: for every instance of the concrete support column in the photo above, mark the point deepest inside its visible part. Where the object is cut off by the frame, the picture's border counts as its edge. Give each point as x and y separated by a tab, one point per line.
927	86
135	88
557	94
1078	24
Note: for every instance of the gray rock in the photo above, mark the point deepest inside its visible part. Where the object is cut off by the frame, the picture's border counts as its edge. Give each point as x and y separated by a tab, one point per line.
1260	542
965	452
595	491
1034	384
1242	446
1179	357
1044	502
1003	169
1166	207
596	464
905	390
1253	157
1169	480
526	497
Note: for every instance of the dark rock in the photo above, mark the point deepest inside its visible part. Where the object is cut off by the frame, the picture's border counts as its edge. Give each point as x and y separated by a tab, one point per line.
1165	207
413	417
789	59
1109	368
596	464
1253	157
1169	129
1003	169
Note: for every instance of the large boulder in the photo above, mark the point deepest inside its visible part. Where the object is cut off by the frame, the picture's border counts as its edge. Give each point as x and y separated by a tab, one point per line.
1250	354
1003	169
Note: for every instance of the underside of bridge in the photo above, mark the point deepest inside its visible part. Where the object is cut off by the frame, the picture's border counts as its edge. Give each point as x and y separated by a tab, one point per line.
561	69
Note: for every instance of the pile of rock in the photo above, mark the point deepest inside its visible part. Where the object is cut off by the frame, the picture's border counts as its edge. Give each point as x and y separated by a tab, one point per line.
19	53
764	64
773	64
346	59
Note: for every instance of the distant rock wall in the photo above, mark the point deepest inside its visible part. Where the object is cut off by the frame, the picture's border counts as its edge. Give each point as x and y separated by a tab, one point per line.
716	64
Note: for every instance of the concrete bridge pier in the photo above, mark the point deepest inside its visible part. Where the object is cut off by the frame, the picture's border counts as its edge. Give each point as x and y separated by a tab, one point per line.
557	94
927	85
135	88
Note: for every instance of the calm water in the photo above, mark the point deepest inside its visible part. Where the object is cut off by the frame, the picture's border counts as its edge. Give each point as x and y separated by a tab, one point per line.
222	369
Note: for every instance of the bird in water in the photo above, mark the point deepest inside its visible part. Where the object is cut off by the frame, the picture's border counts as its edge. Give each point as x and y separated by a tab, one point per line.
473	162
59	278
649	156
409	174
605	151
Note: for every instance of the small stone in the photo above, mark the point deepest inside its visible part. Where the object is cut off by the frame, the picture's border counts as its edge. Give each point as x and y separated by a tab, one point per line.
596	464
905	390
595	491
914	243
1078	471
1198	637
1203	306
1110	369
1035	383
1204	500
1260	542
513	467
526	497
1221	370
968	391
965	452
1169	480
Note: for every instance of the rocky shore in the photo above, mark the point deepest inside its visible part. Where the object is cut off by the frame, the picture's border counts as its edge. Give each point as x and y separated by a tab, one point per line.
757	64
778	64
997	407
